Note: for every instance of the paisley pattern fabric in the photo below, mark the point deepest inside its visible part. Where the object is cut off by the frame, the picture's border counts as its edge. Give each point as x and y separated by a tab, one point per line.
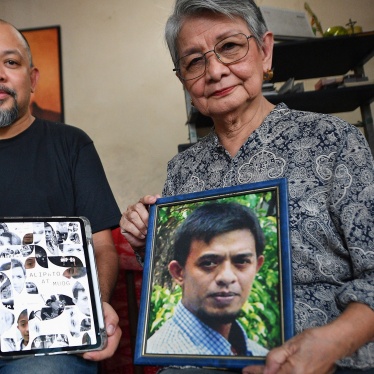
330	173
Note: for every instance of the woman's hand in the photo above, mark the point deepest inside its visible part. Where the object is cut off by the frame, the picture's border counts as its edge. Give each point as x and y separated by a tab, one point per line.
309	352
312	351
316	350
134	223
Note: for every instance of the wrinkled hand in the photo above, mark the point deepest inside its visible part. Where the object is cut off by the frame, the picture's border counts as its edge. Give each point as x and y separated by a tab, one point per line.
317	349
134	222
312	351
114	335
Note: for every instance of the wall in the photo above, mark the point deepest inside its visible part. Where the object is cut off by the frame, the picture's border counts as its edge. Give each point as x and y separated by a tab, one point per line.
118	81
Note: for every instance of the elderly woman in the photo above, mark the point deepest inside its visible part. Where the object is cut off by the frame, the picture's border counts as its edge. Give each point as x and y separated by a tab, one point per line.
222	52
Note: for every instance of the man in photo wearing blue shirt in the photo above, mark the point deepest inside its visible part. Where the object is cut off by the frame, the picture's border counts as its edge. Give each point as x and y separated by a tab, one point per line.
217	252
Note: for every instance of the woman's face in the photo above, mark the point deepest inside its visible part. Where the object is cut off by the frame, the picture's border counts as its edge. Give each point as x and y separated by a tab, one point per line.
224	89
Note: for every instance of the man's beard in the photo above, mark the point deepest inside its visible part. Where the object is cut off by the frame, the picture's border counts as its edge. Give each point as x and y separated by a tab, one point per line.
216	320
8	116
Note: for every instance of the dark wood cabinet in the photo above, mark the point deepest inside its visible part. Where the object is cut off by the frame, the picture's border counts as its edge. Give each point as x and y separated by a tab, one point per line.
323	57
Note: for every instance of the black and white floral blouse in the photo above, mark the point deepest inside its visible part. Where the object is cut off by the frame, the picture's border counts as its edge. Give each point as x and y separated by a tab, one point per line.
330	174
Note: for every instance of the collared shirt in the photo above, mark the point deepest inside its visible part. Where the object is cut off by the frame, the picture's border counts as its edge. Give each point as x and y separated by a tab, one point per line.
186	334
330	173
22	346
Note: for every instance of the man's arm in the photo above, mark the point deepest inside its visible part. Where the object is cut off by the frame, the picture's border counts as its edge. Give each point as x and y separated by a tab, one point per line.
107	266
106	261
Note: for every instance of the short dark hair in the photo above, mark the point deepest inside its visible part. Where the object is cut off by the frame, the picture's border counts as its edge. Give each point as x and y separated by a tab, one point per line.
78	287
23	313
18	264
211	220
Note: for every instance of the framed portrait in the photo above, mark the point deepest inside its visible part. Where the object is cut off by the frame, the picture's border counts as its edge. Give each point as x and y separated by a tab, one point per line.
45	44
217	284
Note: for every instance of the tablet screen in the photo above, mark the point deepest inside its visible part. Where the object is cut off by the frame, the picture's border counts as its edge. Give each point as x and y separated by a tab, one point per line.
49	294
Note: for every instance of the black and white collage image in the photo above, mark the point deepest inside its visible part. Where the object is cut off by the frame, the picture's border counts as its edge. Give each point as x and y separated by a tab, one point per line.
44	290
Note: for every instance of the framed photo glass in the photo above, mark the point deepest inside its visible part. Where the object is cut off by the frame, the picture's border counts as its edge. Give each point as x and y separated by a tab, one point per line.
217	286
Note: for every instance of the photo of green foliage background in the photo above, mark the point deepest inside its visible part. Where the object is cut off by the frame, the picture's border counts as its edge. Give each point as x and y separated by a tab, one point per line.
260	315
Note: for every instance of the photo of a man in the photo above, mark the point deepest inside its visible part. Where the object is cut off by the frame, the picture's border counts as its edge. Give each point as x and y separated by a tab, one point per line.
217	252
23	327
50	239
54	307
80	299
18	275
38	232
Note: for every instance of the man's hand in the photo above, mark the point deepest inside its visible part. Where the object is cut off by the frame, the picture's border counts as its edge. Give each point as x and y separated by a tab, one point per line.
254	369
114	333
134	222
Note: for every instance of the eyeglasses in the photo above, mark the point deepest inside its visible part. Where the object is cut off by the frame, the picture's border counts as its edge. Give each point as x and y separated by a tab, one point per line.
228	51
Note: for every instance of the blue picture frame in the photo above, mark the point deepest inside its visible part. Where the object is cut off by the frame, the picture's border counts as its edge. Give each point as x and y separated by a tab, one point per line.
269	201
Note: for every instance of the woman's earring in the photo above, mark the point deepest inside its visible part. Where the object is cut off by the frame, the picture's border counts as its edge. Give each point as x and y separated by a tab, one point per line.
191	102
268	75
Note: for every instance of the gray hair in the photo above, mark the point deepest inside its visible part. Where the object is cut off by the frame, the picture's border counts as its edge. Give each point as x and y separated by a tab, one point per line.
245	9
24	40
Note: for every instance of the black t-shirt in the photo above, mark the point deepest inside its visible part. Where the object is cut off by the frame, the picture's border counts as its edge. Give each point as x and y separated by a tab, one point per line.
53	169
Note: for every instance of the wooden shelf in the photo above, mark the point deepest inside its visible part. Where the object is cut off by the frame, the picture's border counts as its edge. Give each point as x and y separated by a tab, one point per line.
330	100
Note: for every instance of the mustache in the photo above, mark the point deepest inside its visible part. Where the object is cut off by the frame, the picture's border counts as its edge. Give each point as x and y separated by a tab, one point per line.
7	90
